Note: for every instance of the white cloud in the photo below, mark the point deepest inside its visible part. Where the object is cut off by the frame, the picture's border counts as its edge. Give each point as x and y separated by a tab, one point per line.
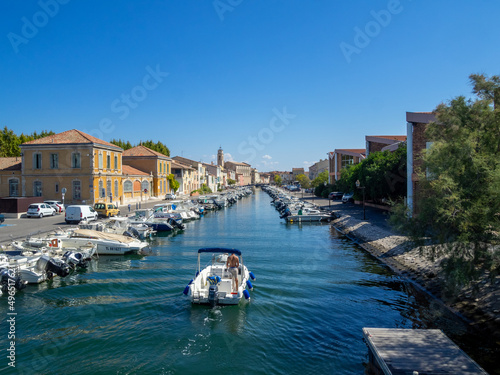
267	157
228	157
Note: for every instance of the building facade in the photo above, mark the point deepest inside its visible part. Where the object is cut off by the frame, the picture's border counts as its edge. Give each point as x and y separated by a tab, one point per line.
296	172
242	169
317	168
153	163
375	143
343	158
77	168
87	168
186	176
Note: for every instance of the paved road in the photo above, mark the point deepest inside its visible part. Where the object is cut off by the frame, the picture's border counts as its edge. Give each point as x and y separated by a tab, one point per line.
14	229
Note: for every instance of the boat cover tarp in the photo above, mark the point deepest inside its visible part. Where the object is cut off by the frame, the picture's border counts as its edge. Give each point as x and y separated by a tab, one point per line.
219	250
88	233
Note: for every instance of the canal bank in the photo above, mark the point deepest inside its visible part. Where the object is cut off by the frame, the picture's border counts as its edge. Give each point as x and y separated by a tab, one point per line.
315	291
479	303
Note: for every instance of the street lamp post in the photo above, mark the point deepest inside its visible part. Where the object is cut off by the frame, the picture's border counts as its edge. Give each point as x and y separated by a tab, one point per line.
362	188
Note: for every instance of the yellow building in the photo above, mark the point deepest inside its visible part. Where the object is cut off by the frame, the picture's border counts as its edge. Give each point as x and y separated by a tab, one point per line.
10	177
157	165
83	168
80	169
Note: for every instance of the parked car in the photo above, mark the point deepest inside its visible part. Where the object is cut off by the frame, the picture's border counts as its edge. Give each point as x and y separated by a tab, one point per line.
348	198
335	195
40	210
57	205
170	196
106	209
77	213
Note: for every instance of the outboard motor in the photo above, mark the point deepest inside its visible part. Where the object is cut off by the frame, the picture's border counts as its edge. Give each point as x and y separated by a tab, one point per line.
7	279
134	232
51	266
74	259
213	295
176	224
286	214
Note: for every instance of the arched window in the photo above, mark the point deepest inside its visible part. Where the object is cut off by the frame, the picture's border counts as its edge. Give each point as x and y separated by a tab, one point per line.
116	188
127	186
145	187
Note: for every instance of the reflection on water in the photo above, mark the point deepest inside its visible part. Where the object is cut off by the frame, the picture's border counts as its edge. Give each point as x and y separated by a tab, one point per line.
315	291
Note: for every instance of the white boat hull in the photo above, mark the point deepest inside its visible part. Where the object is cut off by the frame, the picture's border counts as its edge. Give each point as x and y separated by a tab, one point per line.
227	293
307	218
214	285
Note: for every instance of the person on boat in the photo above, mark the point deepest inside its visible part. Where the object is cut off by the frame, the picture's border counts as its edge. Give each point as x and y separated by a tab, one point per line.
232	264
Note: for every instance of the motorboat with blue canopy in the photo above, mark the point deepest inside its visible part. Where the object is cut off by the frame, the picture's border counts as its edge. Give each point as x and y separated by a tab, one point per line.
218	283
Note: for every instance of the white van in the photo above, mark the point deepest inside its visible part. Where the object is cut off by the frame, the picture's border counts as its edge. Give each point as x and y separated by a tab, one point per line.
77	213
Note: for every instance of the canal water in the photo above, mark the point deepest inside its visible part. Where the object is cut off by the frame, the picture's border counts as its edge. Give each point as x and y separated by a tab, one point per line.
315	291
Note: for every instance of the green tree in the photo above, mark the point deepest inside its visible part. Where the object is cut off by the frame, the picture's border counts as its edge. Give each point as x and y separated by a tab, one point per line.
458	199
10	142
158	147
173	183
231	181
304	181
125	145
383	174
155	146
320	179
278	180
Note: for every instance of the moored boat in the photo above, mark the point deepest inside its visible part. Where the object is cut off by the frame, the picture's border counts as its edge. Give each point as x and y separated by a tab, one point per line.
215	285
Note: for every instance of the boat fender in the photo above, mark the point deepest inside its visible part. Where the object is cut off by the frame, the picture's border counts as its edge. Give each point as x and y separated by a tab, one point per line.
252	276
246	293
186	289
249	284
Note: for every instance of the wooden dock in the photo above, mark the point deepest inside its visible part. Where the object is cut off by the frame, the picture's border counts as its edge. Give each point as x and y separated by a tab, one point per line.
417	352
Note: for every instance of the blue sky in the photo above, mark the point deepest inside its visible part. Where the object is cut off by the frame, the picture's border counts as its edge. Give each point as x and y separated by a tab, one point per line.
275	83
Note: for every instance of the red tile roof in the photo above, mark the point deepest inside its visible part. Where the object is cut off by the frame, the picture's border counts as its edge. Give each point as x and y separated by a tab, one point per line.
177	165
69	137
11	164
127	169
142	151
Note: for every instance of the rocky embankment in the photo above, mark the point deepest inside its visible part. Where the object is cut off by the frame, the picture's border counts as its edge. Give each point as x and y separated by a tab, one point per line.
479	303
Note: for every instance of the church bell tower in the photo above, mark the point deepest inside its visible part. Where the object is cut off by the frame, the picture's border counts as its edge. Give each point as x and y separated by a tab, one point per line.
220	158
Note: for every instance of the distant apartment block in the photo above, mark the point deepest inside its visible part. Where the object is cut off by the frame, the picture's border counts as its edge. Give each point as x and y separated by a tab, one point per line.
317	168
296	172
243	171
